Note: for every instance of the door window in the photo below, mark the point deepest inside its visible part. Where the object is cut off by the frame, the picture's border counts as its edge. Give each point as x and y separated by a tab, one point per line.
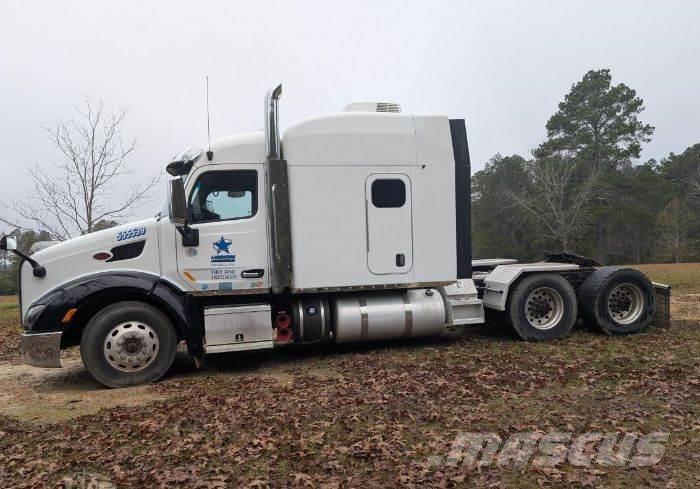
224	195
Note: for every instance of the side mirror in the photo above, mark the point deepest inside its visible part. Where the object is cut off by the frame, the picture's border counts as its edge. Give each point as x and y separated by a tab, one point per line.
8	243
178	202
178	213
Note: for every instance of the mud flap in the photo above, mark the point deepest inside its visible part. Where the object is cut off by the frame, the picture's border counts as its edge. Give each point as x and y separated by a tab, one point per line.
662	316
41	349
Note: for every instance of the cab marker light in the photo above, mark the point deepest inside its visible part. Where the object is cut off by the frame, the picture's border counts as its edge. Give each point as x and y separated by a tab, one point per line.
69	315
102	255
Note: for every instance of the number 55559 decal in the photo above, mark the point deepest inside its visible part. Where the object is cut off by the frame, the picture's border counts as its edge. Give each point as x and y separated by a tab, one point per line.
131	233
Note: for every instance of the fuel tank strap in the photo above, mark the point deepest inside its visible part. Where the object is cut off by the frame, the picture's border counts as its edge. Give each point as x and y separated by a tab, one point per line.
408	311
364	318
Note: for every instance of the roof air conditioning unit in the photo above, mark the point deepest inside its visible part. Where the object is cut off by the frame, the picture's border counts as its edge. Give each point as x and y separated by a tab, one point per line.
373	107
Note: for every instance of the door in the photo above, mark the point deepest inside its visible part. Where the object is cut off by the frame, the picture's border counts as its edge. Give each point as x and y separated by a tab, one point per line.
227	206
389	223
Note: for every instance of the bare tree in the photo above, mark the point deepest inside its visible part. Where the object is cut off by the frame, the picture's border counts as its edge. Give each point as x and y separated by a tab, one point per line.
72	197
557	196
675	221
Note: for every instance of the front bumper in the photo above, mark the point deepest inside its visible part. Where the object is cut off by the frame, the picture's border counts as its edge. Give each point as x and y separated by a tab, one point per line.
41	349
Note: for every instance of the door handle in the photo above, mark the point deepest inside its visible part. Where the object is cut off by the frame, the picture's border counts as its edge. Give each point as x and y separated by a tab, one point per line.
255	273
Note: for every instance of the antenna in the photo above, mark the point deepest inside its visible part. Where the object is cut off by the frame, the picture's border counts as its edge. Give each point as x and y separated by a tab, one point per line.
210	154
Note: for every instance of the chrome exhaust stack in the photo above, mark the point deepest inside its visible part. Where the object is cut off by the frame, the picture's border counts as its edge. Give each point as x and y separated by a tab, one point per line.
281	276
272	132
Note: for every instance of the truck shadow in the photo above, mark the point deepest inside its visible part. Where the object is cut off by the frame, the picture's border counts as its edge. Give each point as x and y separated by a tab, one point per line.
73	378
72	385
249	362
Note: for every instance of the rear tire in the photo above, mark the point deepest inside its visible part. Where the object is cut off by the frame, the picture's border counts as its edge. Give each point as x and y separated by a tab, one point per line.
128	343
617	300
542	307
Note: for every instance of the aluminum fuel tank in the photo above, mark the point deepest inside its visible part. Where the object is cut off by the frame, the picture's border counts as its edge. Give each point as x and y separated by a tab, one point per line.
367	317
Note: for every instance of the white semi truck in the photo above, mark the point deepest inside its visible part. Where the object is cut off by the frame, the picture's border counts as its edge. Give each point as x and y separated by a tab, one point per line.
352	226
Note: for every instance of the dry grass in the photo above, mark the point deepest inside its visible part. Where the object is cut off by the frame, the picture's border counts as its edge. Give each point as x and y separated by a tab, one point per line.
8	299
9	329
684	278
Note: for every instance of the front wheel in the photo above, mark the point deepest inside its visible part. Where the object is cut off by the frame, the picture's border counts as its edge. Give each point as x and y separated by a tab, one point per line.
542	307
128	343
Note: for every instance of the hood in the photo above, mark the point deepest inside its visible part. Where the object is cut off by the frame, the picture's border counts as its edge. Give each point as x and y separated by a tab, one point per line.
106	238
75	258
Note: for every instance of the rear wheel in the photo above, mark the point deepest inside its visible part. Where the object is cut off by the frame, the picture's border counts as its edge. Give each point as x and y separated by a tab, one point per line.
128	343
617	300
542	307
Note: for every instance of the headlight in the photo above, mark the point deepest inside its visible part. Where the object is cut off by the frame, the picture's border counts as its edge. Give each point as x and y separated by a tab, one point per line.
31	315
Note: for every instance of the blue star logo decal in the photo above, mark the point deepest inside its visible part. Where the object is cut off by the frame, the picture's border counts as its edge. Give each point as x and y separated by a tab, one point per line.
222	245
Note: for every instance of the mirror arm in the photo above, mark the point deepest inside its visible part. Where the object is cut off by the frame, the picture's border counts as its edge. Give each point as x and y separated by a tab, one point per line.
37	270
190	236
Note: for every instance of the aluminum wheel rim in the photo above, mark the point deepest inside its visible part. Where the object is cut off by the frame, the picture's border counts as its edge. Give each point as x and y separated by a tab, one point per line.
625	303
131	346
544	308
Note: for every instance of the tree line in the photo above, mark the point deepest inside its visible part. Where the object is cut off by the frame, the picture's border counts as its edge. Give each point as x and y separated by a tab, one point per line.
582	190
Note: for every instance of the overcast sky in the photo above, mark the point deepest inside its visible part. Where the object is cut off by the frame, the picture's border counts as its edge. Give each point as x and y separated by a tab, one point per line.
503	66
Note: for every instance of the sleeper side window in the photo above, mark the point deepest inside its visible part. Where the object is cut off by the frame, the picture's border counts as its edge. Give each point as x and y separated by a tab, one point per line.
224	195
388	192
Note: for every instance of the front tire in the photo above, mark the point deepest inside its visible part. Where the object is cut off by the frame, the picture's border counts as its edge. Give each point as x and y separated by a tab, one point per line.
128	343
542	307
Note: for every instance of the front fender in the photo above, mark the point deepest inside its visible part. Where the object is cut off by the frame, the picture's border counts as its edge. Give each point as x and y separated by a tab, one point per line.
91	293
83	293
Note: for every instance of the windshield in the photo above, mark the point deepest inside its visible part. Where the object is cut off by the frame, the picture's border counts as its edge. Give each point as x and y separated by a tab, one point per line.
165	210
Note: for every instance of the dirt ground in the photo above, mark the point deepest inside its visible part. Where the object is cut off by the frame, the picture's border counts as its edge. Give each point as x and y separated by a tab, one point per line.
54	395
371	415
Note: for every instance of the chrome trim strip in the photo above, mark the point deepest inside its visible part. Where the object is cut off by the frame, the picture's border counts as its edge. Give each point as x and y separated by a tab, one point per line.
323	317
210	293
364	319
367	223
272	229
300	309
355	288
498	291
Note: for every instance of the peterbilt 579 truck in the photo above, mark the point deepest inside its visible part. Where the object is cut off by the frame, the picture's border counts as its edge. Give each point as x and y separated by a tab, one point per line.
349	227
